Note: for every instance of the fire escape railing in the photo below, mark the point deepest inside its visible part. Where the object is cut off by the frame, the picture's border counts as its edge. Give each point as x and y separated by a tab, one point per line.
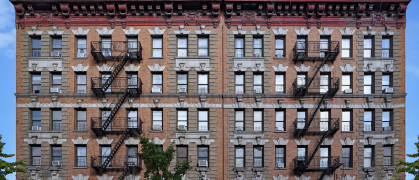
316	51
118	125
116	50
118	163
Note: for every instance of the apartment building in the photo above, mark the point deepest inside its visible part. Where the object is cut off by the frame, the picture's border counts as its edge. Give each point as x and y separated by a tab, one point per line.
243	89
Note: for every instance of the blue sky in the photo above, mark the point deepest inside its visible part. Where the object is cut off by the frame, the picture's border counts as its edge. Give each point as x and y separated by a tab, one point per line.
8	74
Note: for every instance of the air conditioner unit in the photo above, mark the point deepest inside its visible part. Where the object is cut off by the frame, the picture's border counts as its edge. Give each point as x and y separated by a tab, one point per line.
81	55
157	128
181	128
387	128
239	128
258	90
36	128
55	54
347	91
388	90
182	90
279	129
55	90
258	54
56	163
203	163
280	165
37	91
155	90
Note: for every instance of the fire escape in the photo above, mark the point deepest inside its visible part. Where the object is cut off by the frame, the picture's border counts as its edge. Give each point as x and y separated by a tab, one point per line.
122	87
318	87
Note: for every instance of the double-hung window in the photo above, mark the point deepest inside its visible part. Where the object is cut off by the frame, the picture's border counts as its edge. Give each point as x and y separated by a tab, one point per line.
203	83
56	83
182	154
157	50
157	83
182	120
203	120
182	82
347	83
368	120
36	155
105	77
106	46
133	45
239	83
368	84
302	45
387	47
387	120
368	46
105	115
324	120
81	120
81	47
324	45
258	46
280	120
324	156
56	155
280	46
81	81
346	120
368	156
132	79
280	157
56	120
280	83
301	153
105	151
36	119
301	119
132	118
239	47
132	152
239	157
387	81
157	119
301	79
347	46
81	156
239	116
203	154
203	46
36	83
182	46
258	156
36	46
258	120
324	82
387	155
347	156
56	45
258	83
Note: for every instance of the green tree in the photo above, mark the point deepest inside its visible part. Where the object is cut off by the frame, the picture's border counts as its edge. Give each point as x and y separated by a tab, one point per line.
157	161
8	167
413	167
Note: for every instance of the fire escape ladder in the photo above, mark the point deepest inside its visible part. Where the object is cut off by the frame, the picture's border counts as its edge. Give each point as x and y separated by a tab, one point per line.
115	149
115	73
317	148
317	70
307	125
115	109
125	172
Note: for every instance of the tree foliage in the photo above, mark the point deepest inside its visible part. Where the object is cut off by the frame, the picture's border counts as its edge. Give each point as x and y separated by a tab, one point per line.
157	161
413	167
8	167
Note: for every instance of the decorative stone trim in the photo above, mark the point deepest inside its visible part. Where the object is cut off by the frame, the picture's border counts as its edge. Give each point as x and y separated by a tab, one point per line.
258	31
280	31
387	32
132	67
258	175
373	139
131	31
280	141
80	68
369	31
256	64
105	31
105	177
327	142
302	177
243	139
182	30
80	140
348	177
239	31
325	32
34	31
104	68
104	140
42	140
199	141
280	177
80	32
371	65
156	68
132	141
55	175
327	177
280	68
347	68
203	31
132	177
55	31
347	142
302	68
347	31
302	141
157	140
200	64
156	31
326	68
302	31
80	177
51	63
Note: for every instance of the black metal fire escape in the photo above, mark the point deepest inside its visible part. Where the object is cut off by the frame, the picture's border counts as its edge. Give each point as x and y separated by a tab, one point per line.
312	125
121	52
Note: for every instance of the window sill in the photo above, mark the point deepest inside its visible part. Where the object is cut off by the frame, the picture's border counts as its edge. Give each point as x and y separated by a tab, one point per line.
280	132
280	168
155	131
156	58
348	168
347	58
81	131
347	131
80	58
280	58
80	167
258	169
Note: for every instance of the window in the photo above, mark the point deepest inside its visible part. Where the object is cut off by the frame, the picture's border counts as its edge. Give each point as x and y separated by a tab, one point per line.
368	120
36	119
347	82
182	154
368	84
387	120
279	83
81	120
280	46
132	118
257	46
239	83
182	83
258	156
182	46
56	45
203	83
324	45
301	79
301	153
258	83
157	83
81	83
132	155
368	46
106	46
239	47
105	114
36	46
324	120
203	153
347	46
280	120
81	47
56	154
157	119
388	155
324	83
280	157
81	156
301	44
105	152
368	156
56	120
258	120
346	120
36	155
105	77
301	119
239	116
239	156
203	46
157	47
387	81
133	44
203	120
56	83
387	47
324	156
182	120
347	156
36	83
132	79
